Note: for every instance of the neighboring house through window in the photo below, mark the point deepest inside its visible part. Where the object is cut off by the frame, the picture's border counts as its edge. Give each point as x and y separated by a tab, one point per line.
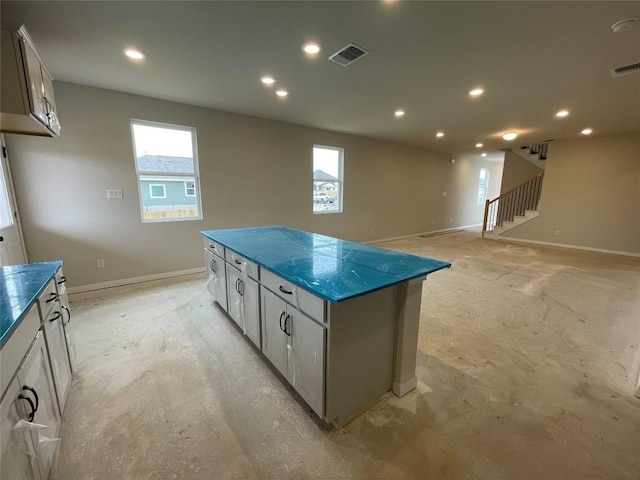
327	179
166	162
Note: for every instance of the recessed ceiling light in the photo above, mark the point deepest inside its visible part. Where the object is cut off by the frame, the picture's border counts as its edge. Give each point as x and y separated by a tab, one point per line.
399	113
479	145
562	113
510	135
476	92
440	134
586	131
311	48
483	154
267	80
134	54
282	93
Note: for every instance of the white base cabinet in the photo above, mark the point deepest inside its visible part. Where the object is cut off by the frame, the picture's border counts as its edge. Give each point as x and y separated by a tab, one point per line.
295	344
216	278
244	303
58	354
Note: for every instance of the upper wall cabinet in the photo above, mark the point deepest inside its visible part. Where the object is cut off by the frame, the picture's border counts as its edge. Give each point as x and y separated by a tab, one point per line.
27	101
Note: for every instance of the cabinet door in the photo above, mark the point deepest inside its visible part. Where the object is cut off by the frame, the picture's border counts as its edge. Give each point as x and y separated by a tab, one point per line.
17	458
217	279
306	358
58	356
35	374
233	293
49	101
274	339
33	72
251	299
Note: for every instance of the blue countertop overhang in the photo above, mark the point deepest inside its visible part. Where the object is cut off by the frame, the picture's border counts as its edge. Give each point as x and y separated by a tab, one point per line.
330	268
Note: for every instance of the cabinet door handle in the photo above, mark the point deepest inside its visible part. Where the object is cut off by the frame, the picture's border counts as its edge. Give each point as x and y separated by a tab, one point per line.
281	317
66	309
52	297
32	414
287	330
284	290
62	280
35	394
240	287
57	315
214	269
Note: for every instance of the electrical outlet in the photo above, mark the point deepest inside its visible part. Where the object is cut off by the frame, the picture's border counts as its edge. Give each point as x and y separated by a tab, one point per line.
100	263
557	233
114	193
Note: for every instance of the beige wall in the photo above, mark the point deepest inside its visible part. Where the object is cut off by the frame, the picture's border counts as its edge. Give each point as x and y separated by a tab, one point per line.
516	170
591	195
252	172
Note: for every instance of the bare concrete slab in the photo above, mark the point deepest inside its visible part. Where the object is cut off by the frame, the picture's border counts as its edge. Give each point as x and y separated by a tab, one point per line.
527	367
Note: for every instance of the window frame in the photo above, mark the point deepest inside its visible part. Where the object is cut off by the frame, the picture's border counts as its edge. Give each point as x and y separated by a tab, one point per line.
340	151
186	189
164	190
484	184
175	176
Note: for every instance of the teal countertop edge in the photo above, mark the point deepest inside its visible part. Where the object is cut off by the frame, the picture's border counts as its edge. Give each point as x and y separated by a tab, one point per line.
20	287
330	268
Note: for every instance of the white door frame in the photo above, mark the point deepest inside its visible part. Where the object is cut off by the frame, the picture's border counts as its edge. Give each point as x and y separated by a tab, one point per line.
4	158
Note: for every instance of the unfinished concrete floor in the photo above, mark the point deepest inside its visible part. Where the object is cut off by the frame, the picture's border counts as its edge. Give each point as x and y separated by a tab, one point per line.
528	359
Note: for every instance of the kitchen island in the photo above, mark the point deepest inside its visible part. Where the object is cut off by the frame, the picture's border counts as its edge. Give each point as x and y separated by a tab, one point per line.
338	319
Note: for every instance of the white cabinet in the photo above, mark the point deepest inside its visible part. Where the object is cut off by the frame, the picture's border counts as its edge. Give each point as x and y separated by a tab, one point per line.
295	344
27	87
244	303
58	355
18	456
216	278
63	304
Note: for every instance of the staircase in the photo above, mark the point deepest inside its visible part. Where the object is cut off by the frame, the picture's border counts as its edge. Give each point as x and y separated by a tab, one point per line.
514	207
536	154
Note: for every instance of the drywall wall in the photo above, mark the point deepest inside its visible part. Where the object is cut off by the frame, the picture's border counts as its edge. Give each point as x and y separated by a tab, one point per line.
590	195
516	170
252	172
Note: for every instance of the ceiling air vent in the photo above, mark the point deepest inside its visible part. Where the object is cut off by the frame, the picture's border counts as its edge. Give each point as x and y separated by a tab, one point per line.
347	55
625	70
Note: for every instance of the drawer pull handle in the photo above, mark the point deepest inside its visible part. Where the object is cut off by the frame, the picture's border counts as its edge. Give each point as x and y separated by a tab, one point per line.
281	317
52	297
238	262
284	290
56	316
32	414
62	280
214	266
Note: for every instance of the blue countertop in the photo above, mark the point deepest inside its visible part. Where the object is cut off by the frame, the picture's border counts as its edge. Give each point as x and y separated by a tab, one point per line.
20	286
330	268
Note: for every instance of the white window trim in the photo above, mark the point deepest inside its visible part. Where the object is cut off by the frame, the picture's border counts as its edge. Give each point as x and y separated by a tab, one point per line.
340	182
164	190
164	176
186	189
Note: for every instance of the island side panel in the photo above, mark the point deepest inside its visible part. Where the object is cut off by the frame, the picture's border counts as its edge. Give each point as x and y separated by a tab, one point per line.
409	299
361	340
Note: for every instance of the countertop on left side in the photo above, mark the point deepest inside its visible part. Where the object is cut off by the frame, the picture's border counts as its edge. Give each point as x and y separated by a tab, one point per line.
20	286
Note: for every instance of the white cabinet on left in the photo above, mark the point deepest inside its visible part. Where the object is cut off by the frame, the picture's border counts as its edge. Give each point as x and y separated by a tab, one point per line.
31	397
216	278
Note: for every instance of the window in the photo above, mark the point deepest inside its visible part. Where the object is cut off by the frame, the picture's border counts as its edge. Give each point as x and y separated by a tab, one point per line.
327	179
157	191
483	186
166	159
6	218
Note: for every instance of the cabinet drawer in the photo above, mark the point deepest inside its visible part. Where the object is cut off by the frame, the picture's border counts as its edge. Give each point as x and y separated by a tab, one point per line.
47	299
298	297
14	350
215	247
61	282
242	264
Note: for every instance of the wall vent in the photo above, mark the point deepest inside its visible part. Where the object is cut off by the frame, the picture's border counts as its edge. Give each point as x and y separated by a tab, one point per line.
625	70
348	54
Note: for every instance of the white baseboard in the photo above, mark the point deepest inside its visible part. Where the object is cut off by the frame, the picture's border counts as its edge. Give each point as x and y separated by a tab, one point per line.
566	245
391	239
129	281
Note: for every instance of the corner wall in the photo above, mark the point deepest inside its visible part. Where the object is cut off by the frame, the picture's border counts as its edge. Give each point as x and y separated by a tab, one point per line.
252	172
590	195
516	170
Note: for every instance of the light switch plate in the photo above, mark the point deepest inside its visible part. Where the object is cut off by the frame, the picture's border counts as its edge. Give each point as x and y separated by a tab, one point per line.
114	193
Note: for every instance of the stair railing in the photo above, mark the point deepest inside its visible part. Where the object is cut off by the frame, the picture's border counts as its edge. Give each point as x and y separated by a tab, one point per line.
512	203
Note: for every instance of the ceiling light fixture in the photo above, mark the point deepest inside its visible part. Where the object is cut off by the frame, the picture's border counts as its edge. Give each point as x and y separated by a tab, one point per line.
399	113
476	92
624	25
483	154
267	80
562	113
311	48
510	135
440	134
479	145
282	93
586	131
134	54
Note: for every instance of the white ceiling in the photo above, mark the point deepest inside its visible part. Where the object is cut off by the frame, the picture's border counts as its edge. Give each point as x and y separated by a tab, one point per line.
532	58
